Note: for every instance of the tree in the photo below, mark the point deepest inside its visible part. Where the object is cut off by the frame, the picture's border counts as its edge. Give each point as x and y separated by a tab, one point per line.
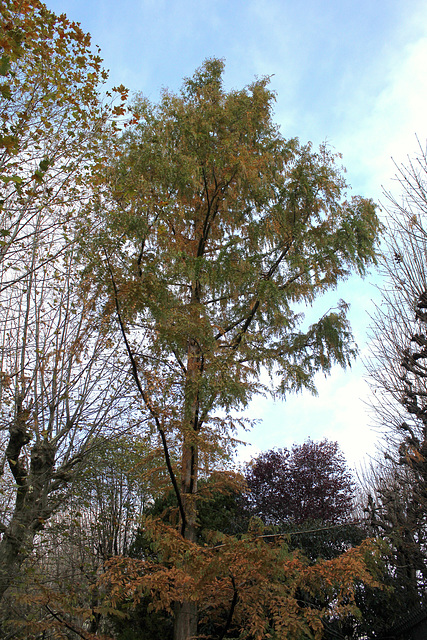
215	229
52	128
247	587
392	515
397	374
98	518
58	387
307	494
310	482
220	510
58	391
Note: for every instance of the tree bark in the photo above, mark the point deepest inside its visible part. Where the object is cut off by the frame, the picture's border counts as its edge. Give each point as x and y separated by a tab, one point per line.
185	626
186	612
31	505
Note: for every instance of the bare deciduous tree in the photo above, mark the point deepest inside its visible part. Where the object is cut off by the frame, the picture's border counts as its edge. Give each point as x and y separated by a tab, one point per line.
398	375
61	386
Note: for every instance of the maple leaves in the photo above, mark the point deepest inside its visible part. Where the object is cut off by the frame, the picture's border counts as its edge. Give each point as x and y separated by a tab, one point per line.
54	129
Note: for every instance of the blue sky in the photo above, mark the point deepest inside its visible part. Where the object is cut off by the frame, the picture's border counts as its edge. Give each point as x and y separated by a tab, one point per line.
350	72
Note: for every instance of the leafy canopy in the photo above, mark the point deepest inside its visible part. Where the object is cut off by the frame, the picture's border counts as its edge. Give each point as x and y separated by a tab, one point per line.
309	482
217	228
213	230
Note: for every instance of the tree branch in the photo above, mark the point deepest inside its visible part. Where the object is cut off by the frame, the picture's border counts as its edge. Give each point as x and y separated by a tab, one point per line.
147	400
248	318
231	610
64	622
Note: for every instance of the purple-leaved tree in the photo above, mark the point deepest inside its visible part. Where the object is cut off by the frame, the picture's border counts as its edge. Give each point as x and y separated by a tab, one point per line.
309	482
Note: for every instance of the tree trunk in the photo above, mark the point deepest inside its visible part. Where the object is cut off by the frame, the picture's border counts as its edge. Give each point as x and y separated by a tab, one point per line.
31	508
15	546
185	626
186	612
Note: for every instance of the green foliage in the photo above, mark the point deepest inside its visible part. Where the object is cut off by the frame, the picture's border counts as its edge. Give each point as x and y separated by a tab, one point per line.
221	508
217	227
144	624
213	230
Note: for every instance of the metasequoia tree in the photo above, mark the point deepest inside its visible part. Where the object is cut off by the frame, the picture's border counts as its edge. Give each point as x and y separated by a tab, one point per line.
309	482
247	587
216	230
398	374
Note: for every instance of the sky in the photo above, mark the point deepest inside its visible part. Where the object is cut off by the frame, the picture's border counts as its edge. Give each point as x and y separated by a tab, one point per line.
348	72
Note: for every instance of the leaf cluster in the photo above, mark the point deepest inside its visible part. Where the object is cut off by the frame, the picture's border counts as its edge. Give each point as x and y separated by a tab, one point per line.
267	587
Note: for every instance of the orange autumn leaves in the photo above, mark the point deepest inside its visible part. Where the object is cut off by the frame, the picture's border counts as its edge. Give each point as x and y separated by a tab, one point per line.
269	591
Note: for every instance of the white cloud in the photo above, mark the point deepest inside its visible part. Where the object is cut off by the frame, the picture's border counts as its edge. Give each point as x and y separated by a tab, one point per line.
339	413
385	129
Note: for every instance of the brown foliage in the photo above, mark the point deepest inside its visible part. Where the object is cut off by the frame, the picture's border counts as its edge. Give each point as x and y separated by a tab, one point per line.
252	585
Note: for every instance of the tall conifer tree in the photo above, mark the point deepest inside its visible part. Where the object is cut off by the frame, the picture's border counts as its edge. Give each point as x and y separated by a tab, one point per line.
215	230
